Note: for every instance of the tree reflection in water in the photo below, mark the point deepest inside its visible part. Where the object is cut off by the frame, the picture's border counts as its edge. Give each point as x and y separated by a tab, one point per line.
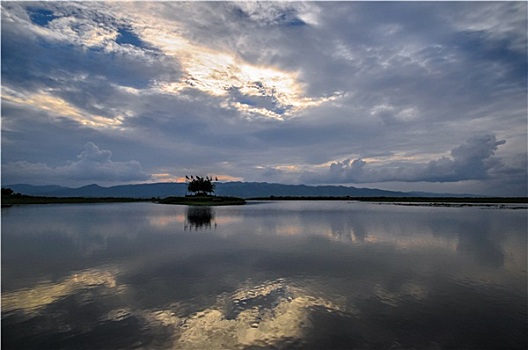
199	218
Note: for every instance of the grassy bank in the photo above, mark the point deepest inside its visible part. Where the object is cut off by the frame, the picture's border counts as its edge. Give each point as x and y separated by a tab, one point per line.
18	199
503	200
21	200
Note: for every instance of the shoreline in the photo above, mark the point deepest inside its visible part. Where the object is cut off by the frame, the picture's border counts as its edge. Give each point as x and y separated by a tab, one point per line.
31	200
226	200
394	200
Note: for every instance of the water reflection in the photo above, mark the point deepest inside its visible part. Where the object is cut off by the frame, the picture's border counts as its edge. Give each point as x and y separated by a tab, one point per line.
266	315
477	233
200	218
271	275
45	293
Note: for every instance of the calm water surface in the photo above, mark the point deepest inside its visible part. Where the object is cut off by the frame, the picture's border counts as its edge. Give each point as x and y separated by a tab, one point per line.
286	275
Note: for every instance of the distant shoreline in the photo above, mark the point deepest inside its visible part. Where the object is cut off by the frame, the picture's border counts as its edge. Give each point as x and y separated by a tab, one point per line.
480	200
222	200
9	201
25	200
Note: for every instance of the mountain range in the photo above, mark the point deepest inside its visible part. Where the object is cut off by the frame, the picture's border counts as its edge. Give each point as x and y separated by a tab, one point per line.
237	189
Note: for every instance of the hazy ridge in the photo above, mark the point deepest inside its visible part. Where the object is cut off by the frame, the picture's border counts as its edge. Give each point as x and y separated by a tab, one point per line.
238	189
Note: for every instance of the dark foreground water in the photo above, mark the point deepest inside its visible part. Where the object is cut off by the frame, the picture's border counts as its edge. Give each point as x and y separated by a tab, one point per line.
286	275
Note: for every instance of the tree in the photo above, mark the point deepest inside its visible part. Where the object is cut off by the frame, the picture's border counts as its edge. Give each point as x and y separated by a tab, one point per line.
200	185
7	192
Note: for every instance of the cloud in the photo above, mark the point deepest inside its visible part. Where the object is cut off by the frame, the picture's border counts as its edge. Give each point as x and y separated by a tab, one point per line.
472	160
251	89
141	56
93	164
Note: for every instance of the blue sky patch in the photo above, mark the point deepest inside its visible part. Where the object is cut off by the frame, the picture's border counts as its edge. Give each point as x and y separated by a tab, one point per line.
289	19
41	17
127	37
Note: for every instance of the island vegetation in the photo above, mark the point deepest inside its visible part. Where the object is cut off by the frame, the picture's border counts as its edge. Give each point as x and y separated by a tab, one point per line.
200	192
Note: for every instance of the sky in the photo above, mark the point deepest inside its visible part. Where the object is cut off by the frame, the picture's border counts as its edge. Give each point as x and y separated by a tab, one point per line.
412	96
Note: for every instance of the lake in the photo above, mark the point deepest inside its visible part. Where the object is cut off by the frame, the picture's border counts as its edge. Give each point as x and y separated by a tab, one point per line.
281	275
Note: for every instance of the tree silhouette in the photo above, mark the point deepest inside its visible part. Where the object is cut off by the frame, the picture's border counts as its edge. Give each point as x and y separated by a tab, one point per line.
7	192
200	185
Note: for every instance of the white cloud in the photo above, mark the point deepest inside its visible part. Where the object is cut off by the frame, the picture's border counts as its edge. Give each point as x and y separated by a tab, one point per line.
215	72
93	164
58	107
278	13
472	160
500	21
225	74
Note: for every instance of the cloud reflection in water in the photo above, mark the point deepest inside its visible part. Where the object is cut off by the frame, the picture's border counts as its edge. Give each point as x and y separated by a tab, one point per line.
31	300
262	315
283	275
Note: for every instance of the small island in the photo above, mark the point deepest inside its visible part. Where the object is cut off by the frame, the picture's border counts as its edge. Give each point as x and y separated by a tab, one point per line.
201	191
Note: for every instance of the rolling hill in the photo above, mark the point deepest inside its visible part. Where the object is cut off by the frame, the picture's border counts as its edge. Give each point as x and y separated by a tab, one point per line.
237	189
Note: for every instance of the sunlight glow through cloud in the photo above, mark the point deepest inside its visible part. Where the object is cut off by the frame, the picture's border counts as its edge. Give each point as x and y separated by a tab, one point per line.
221	74
58	107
